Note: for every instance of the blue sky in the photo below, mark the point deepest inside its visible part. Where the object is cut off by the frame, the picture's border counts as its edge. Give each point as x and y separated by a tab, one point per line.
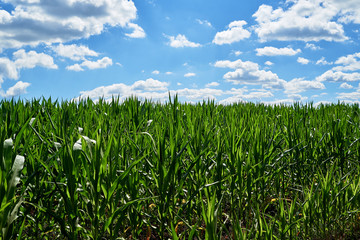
229	51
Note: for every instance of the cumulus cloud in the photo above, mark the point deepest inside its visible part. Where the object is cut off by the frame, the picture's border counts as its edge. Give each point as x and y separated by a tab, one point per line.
304	21
16	90
156	72
198	94
350	62
32	59
349	10
204	22
247	72
158	91
190	74
9	69
299	85
181	41
352	95
150	85
322	61
76	68
150	89
137	88
232	100
303	61
237	53
258	95
273	51
241	95
43	21
74	52
338	76
297	97
212	84
346	86
268	63
234	33
312	46
101	63
138	32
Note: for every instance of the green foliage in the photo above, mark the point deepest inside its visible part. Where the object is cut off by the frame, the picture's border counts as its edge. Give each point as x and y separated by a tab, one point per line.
144	170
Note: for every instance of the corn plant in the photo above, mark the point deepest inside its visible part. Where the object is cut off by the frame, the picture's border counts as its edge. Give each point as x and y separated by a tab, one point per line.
137	169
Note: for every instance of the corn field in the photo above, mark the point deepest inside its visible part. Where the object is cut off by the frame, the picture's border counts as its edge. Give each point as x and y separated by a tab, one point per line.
145	170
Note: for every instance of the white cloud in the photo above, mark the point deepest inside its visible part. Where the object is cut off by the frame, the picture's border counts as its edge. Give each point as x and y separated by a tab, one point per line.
299	85
198	94
350	62
32	59
288	101
101	63
156	72
273	51
237	53
76	67
8	69
304	21
268	63
251	66
169	73
138	32
322	103
34	22
204	22
351	95
322	61
303	61
232	100
258	95
249	73
239	95
235	33
158	91
297	97
150	85
181	41
139	88
212	84
74	52
349	10
338	76
190	74
346	86
21	59
312	46
150	89
16	90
